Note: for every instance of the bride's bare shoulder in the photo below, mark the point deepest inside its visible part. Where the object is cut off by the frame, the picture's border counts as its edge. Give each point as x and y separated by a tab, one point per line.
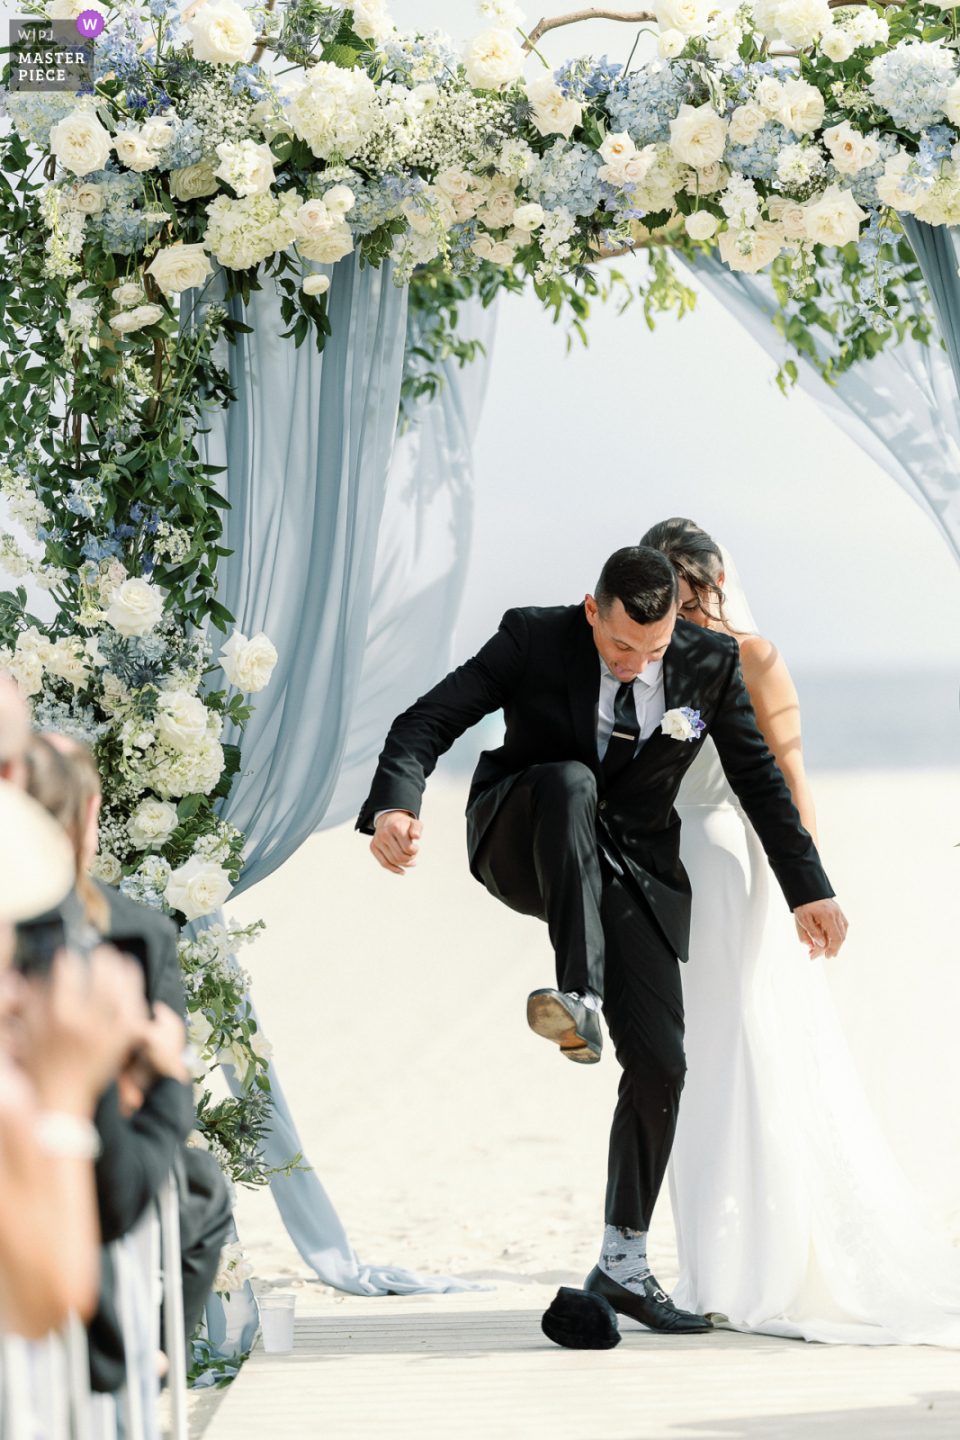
757	656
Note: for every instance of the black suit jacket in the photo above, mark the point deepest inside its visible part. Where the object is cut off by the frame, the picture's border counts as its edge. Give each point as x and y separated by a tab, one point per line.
542	669
163	978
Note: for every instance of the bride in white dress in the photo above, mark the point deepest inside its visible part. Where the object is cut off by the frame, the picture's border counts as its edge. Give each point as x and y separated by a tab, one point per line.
792	1216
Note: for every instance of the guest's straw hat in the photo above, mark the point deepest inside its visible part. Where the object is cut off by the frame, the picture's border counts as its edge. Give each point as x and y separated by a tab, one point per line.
37	864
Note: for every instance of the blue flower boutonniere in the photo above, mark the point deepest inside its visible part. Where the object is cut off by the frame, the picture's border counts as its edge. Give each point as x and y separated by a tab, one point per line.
683	724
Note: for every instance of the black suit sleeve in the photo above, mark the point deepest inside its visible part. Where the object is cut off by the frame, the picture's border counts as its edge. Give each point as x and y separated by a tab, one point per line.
758	784
137	1154
426	731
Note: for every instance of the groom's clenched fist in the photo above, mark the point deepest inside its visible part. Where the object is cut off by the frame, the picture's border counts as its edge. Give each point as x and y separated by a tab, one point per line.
822	926
396	840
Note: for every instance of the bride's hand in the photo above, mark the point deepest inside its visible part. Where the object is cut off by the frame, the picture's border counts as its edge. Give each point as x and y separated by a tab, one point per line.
822	926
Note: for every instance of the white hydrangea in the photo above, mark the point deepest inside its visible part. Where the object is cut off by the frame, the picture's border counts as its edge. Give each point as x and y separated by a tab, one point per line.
334	110
241	233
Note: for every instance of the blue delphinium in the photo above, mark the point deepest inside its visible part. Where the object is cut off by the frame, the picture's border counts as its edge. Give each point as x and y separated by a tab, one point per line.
644	102
758	160
567	176
879	271
417	57
911	81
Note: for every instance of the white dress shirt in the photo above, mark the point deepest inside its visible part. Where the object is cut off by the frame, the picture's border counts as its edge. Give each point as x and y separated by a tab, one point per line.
648	697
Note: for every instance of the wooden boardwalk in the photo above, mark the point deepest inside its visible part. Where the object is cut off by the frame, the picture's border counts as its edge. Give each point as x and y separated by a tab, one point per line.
477	1367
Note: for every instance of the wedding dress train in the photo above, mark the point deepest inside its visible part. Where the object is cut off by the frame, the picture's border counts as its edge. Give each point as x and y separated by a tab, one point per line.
792	1216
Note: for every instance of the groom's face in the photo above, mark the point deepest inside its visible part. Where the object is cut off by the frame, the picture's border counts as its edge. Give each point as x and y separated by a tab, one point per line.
625	647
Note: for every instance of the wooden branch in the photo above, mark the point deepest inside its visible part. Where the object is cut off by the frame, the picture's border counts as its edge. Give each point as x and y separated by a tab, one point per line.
632	17
261	46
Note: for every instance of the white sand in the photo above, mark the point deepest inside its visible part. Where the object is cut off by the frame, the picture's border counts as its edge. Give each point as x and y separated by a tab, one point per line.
452	1140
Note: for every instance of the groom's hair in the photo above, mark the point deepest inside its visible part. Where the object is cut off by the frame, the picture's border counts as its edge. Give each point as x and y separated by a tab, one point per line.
642	580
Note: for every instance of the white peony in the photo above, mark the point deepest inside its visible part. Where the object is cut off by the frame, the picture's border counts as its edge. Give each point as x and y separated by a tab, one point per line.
746	122
127	321
181	719
152	823
80	142
801	22
133	151
835	218
192	182
529	217
492	60
316	285
248	664
327	246
698	135
221	33
135	607
801	107
687	16
838	45
107	868
851	151
553	112
180	267
129	293
197	888
701	225
370	20
670	43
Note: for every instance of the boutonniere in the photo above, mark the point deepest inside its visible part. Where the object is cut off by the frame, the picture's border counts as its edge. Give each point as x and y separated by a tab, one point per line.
684	724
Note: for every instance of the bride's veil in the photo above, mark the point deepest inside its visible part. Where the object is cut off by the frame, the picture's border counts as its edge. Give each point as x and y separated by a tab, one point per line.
736	608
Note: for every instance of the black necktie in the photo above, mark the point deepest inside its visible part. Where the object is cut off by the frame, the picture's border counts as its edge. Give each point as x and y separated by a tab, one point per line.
626	733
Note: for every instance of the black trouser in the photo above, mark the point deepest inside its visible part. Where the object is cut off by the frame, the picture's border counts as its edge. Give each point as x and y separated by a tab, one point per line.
541	857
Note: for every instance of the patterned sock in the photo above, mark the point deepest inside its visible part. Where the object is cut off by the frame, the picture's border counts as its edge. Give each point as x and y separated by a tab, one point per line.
623	1256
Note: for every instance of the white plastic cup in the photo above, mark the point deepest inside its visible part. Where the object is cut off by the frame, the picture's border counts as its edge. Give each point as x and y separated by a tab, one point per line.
276	1322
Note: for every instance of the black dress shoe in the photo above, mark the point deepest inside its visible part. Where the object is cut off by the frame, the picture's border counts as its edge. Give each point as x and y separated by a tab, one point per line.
554	1013
653	1308
579	1321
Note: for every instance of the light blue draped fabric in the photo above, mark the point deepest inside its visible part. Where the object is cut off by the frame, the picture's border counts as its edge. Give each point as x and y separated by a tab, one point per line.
935	247
900	407
422	555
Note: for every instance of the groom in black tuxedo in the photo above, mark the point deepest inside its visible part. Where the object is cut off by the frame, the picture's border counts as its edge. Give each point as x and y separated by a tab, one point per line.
573	820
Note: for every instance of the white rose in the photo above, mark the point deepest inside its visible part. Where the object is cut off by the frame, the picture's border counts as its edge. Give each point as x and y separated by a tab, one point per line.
248	664
698	135
130	320
133	151
197	888
553	112
128	294
769	96
156	132
835	218
152	823
791	215
191	182
765	241
328	246
26	667
63	660
135	607
890	184
708	180
838	45
316	285
951	103
677	725
339	199
106	867
701	225
529	217
221	33
687	16
501	252
493	59
370	20
87	198
670	43
180	267
72	9
80	142
746	122
499	210
851	151
181	719
313	219
801	107
801	22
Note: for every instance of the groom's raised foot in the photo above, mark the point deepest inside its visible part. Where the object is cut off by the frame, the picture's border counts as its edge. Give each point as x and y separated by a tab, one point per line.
653	1308
562	1017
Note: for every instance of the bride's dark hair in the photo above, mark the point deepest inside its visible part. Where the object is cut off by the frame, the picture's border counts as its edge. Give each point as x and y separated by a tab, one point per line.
695	555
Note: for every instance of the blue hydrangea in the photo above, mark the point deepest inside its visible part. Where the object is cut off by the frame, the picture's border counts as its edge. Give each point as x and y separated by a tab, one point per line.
377	201
758	160
911	81
68	717
121	224
185	147
863	185
33	115
644	102
585	79
416	57
566	176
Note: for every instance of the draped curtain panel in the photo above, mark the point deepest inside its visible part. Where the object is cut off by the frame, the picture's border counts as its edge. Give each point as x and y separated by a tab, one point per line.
307	450
422	555
901	408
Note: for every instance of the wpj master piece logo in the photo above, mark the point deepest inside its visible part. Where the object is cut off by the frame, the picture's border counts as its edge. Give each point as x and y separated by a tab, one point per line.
46	56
